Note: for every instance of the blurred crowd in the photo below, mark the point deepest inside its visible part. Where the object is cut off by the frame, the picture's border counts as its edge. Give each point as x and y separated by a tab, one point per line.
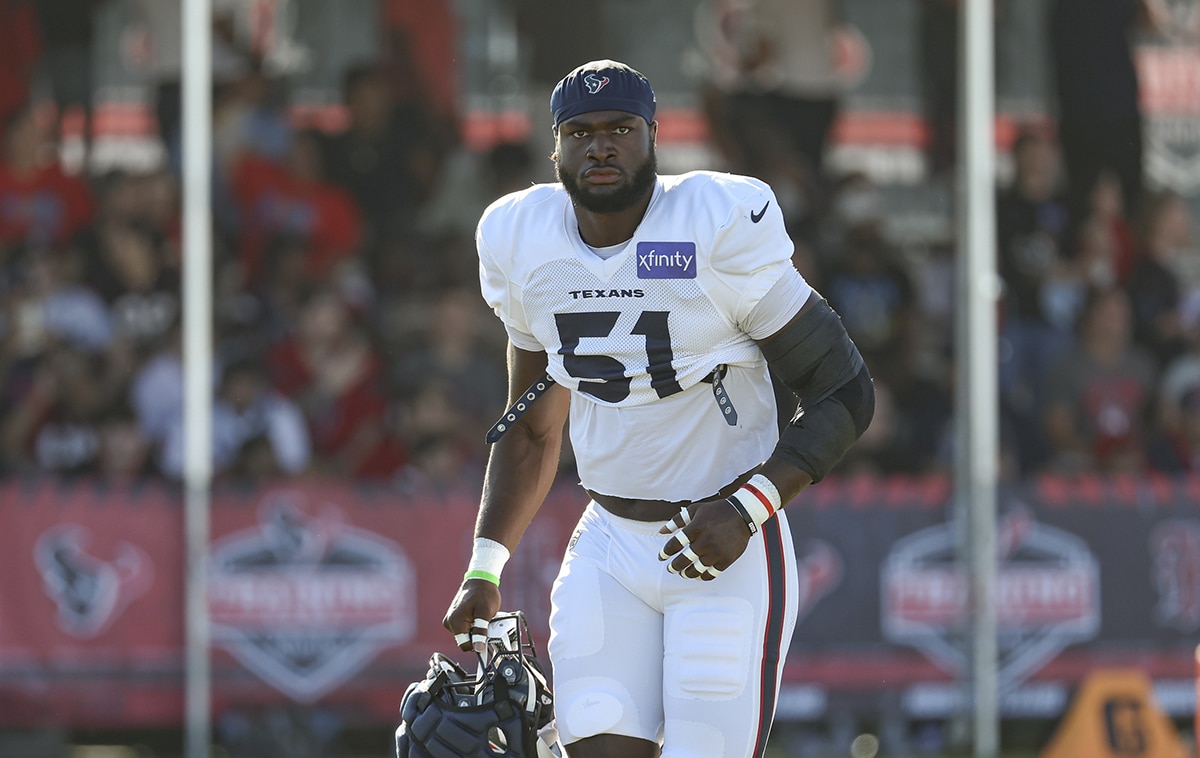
350	339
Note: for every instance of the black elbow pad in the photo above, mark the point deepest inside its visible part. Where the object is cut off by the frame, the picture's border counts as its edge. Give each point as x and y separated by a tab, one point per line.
821	434
816	359
813	355
858	397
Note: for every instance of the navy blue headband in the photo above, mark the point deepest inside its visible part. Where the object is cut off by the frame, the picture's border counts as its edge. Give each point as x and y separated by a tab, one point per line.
602	86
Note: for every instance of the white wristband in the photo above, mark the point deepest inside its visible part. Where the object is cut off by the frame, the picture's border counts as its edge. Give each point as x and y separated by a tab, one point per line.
487	560
760	498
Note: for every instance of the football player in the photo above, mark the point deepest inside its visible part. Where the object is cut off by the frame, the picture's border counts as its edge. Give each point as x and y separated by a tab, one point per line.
647	308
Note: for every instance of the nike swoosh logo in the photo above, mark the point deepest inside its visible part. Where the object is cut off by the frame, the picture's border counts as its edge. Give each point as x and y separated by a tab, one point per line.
756	217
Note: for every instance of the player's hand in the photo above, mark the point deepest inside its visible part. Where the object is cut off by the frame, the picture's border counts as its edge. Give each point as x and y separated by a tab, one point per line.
473	607
706	538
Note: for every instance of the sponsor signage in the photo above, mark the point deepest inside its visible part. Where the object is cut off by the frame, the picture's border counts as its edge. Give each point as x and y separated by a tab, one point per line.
1047	595
306	600
334	593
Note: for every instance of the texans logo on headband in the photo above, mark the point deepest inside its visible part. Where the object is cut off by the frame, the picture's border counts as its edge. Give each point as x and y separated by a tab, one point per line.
603	85
595	83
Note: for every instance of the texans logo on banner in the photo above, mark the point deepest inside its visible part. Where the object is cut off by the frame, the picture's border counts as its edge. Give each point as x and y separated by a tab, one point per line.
1047	595
818	571
90	593
306	601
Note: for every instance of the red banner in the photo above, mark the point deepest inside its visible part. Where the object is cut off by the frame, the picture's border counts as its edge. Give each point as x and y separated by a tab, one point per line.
317	592
331	593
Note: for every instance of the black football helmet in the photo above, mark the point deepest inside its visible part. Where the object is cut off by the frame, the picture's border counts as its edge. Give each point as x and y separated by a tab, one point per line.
506	709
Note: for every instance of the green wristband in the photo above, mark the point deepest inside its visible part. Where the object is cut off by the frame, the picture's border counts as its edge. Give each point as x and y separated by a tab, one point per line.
477	574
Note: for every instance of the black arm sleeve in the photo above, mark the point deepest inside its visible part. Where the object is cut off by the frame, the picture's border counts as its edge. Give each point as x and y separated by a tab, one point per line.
817	360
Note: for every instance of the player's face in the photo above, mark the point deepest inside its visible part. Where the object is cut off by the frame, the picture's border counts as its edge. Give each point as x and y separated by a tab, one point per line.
606	160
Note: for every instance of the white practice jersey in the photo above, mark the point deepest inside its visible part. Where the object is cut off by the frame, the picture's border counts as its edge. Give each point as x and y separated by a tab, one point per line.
634	336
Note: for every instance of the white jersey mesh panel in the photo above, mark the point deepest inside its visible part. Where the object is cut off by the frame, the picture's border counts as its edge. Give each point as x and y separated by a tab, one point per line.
635	335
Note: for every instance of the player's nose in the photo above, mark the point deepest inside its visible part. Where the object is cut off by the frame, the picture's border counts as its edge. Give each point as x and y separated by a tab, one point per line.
601	147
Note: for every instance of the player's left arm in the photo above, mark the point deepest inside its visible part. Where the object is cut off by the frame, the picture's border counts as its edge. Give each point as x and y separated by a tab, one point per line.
806	346
817	360
815	357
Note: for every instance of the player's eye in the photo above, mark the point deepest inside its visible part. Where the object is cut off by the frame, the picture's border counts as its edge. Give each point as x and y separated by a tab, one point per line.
579	133
622	130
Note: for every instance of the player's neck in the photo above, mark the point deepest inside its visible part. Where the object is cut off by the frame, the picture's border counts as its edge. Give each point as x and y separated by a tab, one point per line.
607	229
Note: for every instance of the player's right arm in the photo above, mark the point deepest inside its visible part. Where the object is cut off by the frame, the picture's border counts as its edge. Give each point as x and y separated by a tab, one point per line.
521	468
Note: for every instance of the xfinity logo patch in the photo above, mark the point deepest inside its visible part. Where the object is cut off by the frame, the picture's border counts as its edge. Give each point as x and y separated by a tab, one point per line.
666	260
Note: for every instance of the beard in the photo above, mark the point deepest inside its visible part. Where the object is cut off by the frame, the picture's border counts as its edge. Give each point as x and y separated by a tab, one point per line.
619	199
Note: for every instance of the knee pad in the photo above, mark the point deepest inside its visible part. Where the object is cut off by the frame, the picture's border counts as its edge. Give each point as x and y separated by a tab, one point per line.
590	706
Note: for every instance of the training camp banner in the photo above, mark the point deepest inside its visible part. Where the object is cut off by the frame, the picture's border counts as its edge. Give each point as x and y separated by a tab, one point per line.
332	594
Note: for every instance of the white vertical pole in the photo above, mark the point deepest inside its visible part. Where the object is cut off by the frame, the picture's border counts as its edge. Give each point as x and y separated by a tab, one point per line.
977	412
197	358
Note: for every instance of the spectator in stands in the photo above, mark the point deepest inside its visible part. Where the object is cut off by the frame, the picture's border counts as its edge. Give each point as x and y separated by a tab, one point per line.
279	294
470	183
52	305
444	438
47	311
119	200
125	455
916	424
1107	226
867	281
330	369
294	199
231	59
159	210
938	68
155	389
937	49
56	428
421	74
131	273
1032	226
1099	392
438	252
419	57
436	466
1164	243
775	60
20	52
39	203
68	30
247	411
1175	446
456	353
1099	117
379	159
249	118
1179	377
772	94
